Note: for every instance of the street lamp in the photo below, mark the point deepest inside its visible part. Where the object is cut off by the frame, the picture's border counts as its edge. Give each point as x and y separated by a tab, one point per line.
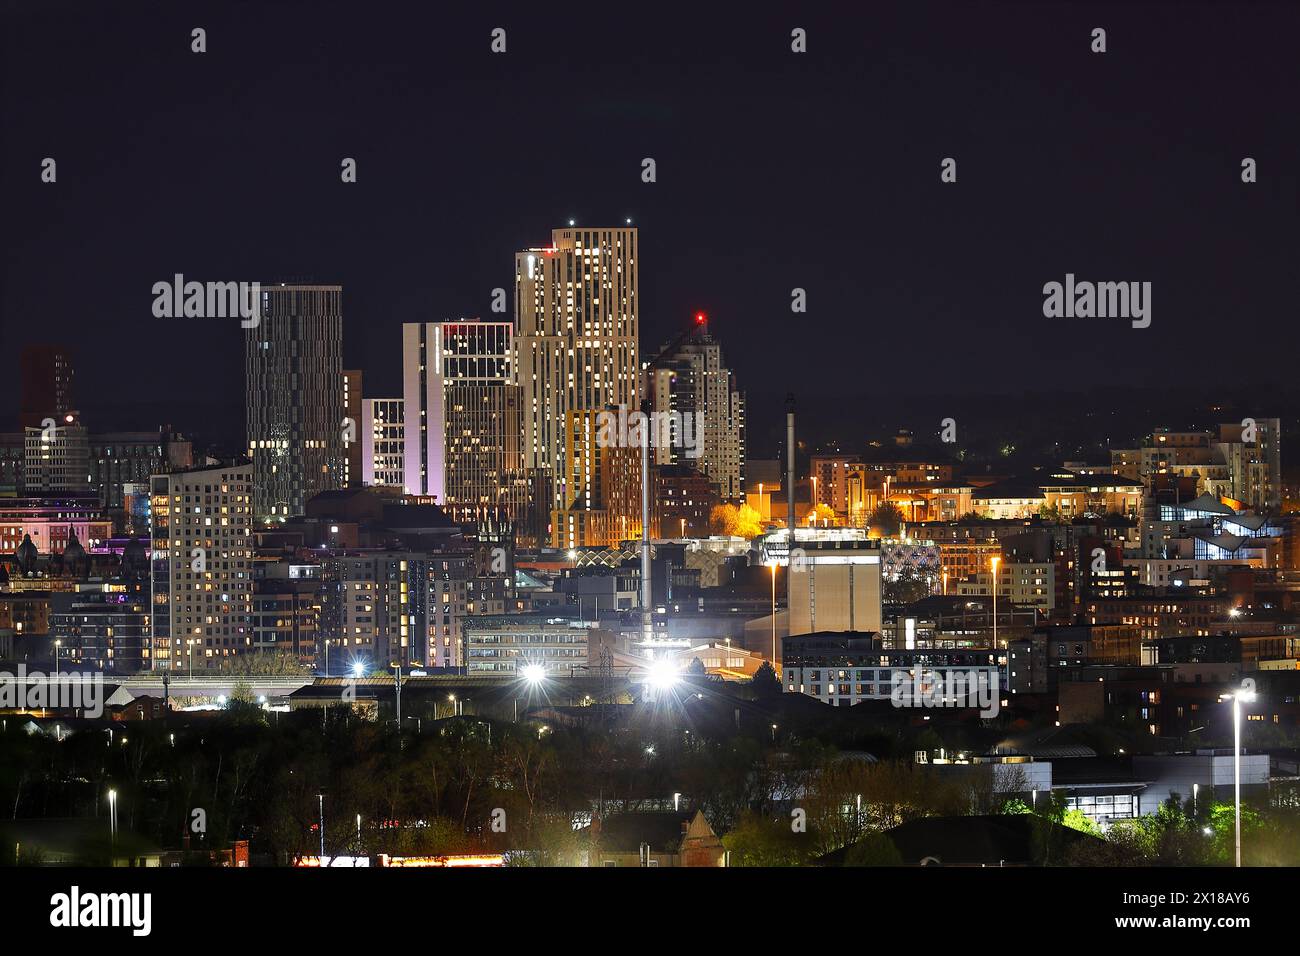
774	733
57	645
1247	695
995	561
112	816
772	564
534	673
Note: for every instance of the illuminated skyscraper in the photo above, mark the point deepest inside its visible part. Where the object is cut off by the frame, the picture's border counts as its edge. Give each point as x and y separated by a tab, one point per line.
201	567
688	377
294	397
576	323
462	426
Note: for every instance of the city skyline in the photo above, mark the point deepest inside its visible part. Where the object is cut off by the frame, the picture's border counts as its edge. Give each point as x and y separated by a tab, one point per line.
887	252
621	437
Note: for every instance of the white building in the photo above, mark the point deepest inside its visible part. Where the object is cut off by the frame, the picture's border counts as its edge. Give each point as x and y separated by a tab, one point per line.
462	427
835	586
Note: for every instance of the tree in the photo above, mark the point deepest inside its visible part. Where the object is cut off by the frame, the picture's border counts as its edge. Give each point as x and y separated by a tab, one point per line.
875	849
758	841
887	519
821	516
765	683
910	584
1051	513
736	522
263	664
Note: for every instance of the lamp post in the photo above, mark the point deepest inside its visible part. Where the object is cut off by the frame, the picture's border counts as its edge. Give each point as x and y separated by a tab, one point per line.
996	561
1245	694
112	817
772	565
57	645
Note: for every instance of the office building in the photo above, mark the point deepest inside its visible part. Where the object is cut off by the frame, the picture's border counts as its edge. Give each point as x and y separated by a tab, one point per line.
845	669
506	645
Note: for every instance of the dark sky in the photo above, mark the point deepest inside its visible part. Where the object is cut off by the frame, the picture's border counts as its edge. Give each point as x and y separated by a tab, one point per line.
775	170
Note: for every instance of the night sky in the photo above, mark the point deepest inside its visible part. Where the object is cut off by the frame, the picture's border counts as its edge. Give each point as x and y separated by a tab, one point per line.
775	170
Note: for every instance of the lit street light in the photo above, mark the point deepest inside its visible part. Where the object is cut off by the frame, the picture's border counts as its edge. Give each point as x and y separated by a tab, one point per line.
996	561
1247	695
534	673
772	564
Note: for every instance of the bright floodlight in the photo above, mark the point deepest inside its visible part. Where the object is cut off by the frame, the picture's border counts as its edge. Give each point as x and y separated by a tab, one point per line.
662	674
358	669
533	673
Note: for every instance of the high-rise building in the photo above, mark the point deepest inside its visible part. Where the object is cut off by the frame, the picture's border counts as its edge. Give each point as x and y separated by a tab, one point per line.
294	407
46	385
602	480
352	428
383	442
119	459
201	559
384	607
56	457
688	377
576	323
461	414
1253	452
